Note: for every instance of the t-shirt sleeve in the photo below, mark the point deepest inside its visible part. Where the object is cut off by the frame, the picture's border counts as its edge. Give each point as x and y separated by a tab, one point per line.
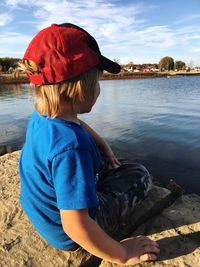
73	176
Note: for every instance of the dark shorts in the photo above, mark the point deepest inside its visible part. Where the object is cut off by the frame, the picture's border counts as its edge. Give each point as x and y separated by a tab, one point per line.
119	191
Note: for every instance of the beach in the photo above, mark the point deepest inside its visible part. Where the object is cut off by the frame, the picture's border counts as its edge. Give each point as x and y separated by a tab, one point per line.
175	226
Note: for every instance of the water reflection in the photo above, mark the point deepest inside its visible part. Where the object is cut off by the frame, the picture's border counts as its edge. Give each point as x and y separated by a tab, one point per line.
16	105
10	91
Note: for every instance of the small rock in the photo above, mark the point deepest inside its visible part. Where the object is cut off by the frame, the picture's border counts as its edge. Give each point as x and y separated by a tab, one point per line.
8	246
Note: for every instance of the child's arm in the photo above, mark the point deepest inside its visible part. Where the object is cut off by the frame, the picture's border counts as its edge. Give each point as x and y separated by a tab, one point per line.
103	145
86	232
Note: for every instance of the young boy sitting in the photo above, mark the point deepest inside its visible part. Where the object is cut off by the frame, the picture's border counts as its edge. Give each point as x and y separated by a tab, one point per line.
70	201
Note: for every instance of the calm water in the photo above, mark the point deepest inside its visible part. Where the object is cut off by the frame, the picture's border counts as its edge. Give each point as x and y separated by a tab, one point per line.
154	121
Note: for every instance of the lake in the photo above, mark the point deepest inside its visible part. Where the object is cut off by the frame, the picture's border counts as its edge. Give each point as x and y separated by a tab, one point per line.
153	121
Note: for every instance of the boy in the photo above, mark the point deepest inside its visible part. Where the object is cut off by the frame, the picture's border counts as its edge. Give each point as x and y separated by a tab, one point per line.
70	201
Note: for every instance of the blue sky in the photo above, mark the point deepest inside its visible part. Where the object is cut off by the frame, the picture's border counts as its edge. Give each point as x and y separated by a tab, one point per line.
130	30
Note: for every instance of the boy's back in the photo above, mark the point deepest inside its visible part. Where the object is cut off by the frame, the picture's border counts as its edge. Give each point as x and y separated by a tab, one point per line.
55	165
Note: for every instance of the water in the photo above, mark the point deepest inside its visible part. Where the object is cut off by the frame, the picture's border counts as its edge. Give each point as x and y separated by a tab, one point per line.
153	121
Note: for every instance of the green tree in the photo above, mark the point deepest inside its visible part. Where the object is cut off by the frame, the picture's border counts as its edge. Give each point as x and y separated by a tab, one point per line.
8	62
179	65
166	63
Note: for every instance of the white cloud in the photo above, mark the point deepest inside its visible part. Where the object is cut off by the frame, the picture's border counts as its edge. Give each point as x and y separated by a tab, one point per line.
16	3
193	37
107	21
188	19
161	37
195	50
100	18
13	37
87	13
188	29
121	30
13	44
5	18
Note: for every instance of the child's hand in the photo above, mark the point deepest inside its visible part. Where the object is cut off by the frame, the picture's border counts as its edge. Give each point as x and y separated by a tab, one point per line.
140	249
111	158
113	161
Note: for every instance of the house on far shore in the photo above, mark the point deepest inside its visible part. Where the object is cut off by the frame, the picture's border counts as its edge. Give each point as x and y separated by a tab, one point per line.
155	69
197	68
129	69
146	70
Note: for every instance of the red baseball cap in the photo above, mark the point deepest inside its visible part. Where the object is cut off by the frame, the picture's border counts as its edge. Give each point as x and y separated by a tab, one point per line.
63	52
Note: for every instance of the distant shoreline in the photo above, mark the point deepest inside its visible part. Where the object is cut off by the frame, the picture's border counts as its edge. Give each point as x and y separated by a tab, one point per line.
143	75
8	79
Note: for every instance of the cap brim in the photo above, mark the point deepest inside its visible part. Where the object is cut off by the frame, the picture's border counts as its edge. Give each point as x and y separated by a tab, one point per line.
109	65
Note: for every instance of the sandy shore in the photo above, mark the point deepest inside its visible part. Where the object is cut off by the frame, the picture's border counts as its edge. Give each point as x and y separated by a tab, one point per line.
177	228
20	245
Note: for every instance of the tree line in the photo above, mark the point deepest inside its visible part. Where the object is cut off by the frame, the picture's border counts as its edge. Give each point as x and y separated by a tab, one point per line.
8	62
165	64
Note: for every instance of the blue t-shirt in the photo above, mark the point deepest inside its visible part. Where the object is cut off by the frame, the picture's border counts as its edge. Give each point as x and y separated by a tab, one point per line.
58	166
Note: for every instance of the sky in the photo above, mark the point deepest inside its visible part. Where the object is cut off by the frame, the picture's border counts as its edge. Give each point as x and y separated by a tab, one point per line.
141	31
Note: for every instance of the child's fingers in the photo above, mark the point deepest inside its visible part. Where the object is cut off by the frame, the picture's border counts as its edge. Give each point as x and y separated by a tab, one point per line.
149	248
115	164
148	257
116	161
113	161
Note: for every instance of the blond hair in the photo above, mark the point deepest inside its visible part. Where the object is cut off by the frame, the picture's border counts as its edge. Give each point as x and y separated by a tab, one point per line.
48	97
